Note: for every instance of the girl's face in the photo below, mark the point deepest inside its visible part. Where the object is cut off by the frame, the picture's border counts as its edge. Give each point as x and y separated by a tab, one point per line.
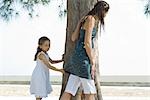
45	46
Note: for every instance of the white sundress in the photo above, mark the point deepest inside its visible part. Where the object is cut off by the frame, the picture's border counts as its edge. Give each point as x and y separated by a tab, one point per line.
40	85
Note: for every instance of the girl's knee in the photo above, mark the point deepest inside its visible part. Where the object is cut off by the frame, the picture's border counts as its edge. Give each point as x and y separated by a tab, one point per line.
89	97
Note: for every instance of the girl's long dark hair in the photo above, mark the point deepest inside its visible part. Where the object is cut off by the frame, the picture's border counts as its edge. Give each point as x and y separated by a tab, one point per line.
40	42
100	8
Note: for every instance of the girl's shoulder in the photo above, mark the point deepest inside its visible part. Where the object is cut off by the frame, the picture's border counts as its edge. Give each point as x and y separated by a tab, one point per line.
40	53
88	19
43	54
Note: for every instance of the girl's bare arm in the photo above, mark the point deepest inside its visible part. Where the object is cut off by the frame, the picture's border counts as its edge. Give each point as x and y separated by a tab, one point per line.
47	63
55	61
75	34
89	24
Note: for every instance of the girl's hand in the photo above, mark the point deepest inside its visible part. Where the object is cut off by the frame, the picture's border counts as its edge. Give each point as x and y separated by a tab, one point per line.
93	71
93	67
62	71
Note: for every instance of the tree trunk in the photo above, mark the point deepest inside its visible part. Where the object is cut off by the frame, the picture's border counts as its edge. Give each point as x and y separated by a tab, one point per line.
75	10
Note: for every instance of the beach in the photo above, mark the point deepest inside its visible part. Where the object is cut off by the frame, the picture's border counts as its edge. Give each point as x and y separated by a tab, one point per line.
21	92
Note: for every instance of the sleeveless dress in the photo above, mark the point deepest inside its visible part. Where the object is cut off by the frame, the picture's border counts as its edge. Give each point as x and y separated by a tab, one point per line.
79	62
40	84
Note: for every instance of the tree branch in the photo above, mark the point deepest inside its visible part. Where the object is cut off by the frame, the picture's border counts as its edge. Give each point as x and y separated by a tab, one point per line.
147	8
9	8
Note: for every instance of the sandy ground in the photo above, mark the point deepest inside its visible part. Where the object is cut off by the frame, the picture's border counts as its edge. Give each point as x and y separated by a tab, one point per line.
57	98
21	92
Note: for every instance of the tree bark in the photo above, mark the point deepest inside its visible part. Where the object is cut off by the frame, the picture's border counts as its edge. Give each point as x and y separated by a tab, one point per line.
76	9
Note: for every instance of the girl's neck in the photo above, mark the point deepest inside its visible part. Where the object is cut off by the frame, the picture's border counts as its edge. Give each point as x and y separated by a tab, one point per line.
44	51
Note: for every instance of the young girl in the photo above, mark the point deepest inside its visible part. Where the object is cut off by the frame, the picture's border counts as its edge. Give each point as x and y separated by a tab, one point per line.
40	85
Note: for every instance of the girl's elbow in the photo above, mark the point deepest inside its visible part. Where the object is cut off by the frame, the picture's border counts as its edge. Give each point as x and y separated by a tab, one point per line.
73	38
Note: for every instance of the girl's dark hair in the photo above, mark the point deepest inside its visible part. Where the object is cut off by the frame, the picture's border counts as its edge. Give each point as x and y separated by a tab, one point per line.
100	8
40	42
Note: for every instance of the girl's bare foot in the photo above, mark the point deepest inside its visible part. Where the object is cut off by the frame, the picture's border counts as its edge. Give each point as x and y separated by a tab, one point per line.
38	98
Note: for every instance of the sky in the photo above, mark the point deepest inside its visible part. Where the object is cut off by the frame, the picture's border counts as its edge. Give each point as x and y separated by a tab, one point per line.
123	45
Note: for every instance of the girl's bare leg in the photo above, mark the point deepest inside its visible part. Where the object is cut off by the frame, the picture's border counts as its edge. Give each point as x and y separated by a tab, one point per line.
89	97
66	96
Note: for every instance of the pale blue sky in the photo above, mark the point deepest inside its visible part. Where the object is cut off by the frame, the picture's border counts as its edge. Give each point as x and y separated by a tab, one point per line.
123	45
